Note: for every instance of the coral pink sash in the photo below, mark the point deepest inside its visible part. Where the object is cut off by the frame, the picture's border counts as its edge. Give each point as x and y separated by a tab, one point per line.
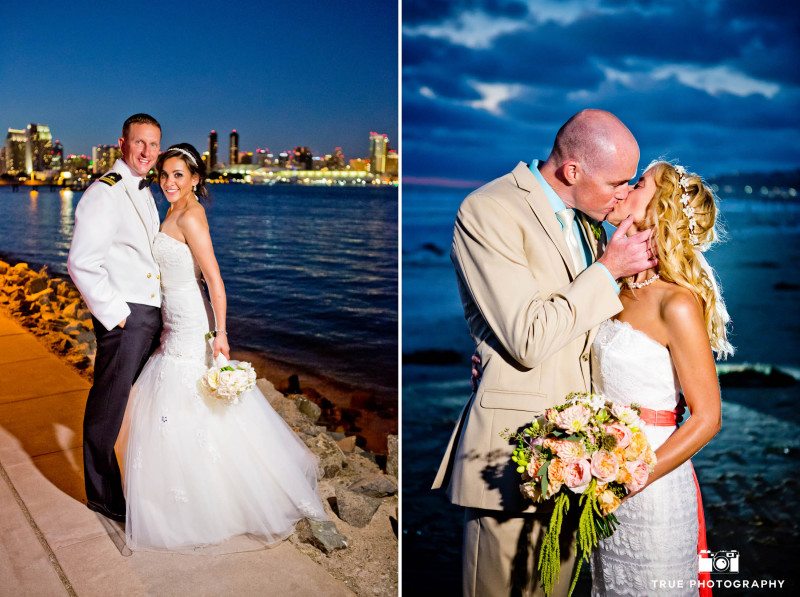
669	418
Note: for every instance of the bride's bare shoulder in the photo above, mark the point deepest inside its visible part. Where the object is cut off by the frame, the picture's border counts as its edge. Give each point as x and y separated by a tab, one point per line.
680	306
193	217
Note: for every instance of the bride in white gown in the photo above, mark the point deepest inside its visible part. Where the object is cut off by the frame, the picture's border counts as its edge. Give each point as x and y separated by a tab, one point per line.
661	345
195	471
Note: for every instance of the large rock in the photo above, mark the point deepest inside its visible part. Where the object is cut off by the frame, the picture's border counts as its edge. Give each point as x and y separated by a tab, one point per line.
37	285
75	329
308	408
71	310
322	534
355	508
331	457
375	485
285	407
391	458
347	444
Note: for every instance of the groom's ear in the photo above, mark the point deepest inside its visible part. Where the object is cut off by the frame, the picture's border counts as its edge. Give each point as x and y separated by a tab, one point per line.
568	172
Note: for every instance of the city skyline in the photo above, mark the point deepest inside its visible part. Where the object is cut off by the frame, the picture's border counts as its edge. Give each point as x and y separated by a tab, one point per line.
321	77
212	138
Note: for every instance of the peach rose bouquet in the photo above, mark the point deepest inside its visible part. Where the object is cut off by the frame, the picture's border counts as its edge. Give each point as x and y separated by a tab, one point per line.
588	450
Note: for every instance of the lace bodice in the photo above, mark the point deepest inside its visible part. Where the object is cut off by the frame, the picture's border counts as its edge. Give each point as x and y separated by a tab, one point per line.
631	367
179	269
185	309
657	536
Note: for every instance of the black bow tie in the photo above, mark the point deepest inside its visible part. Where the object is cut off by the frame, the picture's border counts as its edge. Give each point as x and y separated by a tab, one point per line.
145	182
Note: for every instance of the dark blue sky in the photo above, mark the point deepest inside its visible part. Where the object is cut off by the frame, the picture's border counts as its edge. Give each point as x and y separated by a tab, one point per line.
312	73
487	83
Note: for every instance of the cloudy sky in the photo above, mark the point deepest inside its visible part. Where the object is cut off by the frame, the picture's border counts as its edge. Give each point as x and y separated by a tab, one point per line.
316	73
487	83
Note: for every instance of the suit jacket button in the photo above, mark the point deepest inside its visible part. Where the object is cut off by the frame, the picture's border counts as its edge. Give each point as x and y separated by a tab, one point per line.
149	275
585	357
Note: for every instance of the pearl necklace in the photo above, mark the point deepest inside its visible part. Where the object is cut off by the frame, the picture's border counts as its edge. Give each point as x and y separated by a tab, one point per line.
637	285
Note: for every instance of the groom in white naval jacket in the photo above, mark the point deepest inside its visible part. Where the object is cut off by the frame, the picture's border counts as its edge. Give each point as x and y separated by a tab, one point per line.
535	283
112	264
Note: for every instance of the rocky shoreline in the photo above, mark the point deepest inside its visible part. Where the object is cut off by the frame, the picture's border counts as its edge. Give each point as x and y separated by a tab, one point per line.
359	488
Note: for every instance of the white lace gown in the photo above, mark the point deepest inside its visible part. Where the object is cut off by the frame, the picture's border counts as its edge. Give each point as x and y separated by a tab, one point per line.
197	472
656	539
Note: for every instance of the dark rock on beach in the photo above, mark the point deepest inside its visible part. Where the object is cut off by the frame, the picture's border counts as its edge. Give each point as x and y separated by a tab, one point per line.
356	509
756	377
321	534
377	486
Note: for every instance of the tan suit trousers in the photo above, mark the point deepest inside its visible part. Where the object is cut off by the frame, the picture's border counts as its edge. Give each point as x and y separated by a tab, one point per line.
500	552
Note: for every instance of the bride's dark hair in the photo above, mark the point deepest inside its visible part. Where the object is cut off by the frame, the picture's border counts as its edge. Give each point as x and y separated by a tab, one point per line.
195	164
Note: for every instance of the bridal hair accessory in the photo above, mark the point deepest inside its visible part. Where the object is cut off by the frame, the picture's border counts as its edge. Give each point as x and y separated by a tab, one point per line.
637	285
186	153
688	211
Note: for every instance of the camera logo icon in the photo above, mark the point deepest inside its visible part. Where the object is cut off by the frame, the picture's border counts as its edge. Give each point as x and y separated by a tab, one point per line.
724	562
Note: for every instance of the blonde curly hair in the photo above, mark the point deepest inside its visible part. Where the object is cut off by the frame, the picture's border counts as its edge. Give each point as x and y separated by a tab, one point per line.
680	260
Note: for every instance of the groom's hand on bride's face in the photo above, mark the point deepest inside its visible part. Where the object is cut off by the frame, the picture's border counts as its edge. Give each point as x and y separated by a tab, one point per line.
628	255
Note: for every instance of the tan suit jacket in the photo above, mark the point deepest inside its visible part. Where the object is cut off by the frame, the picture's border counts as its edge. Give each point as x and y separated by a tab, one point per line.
533	320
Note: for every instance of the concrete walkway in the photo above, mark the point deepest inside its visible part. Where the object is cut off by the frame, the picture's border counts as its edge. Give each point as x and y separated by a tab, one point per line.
51	544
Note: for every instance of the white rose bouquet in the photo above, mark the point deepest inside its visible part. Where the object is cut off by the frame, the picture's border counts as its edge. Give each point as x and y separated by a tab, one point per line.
227	381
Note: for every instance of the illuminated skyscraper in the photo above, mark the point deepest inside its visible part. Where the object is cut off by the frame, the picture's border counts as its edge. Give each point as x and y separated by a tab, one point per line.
392	163
15	151
233	154
336	161
77	165
212	150
38	148
303	159
103	157
57	161
359	165
377	152
264	157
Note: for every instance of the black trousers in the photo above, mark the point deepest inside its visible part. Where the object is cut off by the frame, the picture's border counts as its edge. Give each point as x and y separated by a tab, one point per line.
121	355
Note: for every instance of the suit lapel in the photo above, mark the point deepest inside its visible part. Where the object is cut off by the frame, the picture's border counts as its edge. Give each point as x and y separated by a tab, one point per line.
544	213
131	190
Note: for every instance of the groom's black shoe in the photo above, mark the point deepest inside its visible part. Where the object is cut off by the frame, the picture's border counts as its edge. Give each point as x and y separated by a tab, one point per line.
105	512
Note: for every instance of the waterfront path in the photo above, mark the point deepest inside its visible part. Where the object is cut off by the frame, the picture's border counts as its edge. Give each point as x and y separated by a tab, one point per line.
51	544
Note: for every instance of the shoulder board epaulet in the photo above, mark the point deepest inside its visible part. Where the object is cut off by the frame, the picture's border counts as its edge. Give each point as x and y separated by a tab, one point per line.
111	178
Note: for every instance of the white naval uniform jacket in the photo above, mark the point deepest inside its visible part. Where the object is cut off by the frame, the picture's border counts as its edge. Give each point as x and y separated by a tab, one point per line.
111	259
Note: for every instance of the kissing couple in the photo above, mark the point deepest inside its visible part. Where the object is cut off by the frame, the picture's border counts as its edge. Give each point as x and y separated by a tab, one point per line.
189	470
554	309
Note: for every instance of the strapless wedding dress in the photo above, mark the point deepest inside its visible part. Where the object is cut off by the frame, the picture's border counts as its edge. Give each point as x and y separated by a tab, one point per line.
196	471
656	539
